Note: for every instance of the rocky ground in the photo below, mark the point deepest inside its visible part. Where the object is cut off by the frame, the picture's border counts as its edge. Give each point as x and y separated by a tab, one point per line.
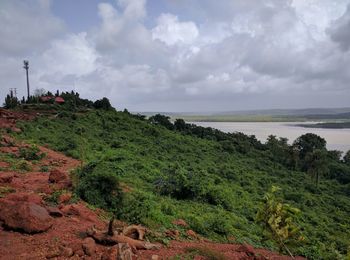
40	218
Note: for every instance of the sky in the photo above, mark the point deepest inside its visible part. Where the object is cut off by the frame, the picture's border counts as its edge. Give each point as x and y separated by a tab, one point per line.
181	55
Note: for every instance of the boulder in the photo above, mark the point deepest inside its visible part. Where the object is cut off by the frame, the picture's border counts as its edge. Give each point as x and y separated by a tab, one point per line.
89	246
54	212
172	233
24	216
27	197
53	254
7	141
78	209
80	253
124	251
110	254
66	251
64	197
16	129
247	249
180	222
57	176
191	234
6	177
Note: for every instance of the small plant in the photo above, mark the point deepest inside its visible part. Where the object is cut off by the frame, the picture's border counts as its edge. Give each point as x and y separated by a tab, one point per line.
278	219
6	190
31	153
53	198
44	168
23	166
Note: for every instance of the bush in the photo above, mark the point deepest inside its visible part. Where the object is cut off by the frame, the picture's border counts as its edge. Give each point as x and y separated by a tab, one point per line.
137	207
279	219
31	153
101	189
103	104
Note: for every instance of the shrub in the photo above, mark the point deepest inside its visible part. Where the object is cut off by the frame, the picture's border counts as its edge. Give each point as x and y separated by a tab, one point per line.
278	219
4	190
101	189
44	168
24	166
31	153
137	207
53	198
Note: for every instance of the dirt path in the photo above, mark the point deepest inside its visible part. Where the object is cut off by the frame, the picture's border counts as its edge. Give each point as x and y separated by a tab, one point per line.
34	186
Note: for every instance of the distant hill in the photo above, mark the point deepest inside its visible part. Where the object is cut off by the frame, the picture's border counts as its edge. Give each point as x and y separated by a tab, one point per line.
289	112
276	115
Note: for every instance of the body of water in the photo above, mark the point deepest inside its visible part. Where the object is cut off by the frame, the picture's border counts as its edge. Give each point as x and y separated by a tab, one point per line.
337	139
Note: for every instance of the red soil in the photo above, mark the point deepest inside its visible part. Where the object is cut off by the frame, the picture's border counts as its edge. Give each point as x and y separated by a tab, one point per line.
228	251
65	238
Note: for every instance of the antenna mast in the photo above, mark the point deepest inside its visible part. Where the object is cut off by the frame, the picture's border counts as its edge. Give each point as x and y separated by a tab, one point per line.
26	67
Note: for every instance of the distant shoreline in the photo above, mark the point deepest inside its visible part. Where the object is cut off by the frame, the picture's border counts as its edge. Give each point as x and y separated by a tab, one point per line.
334	125
242	118
309	122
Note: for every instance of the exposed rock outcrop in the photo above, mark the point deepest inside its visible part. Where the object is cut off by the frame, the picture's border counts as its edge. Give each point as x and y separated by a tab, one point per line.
24	216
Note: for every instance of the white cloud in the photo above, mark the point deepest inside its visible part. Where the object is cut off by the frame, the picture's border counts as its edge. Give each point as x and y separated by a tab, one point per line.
26	26
340	30
72	55
210	55
171	31
133	9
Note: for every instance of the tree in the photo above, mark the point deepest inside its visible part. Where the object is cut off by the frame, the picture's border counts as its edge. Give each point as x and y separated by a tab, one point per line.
103	104
307	144
279	149
159	119
180	124
316	163
335	155
10	102
39	92
100	187
346	158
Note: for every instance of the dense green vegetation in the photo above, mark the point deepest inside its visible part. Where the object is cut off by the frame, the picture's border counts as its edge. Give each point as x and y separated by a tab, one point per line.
215	181
333	125
72	101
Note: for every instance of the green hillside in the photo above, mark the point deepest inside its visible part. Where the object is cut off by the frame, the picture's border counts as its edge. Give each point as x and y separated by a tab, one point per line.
214	181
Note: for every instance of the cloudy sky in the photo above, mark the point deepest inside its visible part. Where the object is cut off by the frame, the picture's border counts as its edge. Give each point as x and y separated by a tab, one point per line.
181	55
